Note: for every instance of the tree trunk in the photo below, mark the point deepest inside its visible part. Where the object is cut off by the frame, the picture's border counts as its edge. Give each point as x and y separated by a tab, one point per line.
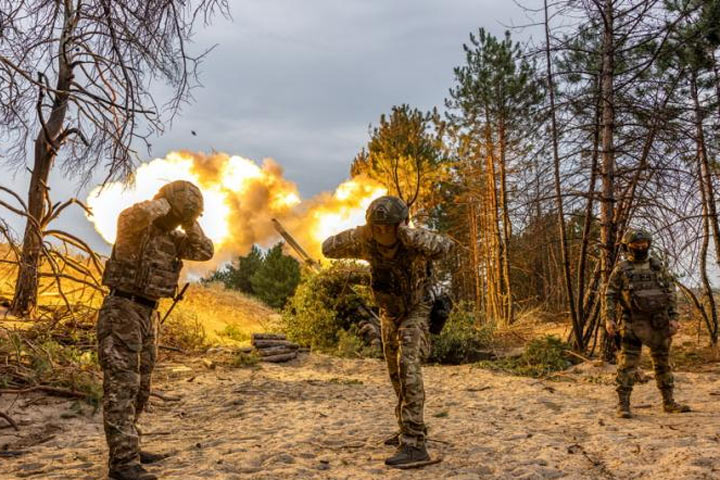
577	328
472	221
589	216
607	203
710	221
507	227
47	144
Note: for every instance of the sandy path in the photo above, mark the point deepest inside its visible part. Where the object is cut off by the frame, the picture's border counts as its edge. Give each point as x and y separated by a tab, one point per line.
324	418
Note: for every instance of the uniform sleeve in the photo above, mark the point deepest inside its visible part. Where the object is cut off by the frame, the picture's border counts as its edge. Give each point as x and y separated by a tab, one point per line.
347	244
139	216
194	245
430	244
612	295
672	291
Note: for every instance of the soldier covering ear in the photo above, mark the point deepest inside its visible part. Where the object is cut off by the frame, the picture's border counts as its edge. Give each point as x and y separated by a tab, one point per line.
400	261
144	266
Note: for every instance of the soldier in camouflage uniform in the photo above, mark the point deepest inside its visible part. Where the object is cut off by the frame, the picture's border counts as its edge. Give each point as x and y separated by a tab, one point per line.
400	260
644	292
144	266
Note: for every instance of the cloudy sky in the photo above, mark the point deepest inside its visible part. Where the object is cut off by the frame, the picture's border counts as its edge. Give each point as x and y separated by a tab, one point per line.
301	80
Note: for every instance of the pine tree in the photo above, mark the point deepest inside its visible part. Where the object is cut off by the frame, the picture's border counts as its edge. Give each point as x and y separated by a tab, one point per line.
277	278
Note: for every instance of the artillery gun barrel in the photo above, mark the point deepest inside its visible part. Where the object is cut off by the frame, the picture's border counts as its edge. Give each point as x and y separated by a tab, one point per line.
294	244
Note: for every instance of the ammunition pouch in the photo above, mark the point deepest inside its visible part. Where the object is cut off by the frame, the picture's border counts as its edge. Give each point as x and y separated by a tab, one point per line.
439	313
150	280
652	301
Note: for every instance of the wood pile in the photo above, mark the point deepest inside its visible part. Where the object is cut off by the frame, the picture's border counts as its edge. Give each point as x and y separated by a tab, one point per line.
274	347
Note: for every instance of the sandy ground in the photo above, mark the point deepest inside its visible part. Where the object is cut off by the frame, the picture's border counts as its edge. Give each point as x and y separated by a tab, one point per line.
324	418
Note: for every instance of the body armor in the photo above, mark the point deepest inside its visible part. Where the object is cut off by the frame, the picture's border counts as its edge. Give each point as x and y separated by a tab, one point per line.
646	291
155	271
401	282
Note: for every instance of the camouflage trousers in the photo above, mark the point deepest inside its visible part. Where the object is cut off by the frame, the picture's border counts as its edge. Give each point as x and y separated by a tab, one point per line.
406	344
127	351
635	334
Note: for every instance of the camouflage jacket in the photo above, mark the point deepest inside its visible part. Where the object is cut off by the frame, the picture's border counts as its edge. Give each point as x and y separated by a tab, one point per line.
402	279
640	289
146	260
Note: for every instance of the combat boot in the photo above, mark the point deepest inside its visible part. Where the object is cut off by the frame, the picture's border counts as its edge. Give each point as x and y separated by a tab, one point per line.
393	441
408	456
147	457
623	406
670	405
130	472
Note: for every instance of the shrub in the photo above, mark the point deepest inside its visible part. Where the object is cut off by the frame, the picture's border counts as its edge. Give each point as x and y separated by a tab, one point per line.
184	331
350	345
326	304
541	357
461	341
233	332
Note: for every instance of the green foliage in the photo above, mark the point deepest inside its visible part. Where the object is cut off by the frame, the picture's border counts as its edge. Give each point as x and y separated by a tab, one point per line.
405	154
237	276
350	345
185	332
272	277
242	359
233	332
541	357
326	304
277	278
39	357
461	341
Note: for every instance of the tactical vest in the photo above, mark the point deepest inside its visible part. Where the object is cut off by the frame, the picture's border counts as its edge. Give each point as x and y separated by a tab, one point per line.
646	291
156	271
401	282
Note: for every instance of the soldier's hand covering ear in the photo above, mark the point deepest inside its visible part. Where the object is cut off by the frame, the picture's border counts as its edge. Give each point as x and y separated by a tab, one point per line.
674	327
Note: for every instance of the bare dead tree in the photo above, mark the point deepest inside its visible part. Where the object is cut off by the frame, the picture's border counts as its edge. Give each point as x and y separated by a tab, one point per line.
77	75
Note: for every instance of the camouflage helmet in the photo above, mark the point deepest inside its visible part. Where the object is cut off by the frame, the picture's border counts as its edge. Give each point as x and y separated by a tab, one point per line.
184	198
635	235
387	210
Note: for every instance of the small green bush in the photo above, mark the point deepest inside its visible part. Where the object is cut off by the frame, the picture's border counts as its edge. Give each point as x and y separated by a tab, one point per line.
233	332
242	359
185	332
350	345
541	357
326	304
461	341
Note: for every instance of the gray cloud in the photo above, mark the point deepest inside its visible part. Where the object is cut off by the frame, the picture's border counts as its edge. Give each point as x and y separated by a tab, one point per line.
301	80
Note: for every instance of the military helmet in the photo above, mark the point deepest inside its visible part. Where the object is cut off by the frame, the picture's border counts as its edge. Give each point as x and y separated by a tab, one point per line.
387	210
184	198
635	235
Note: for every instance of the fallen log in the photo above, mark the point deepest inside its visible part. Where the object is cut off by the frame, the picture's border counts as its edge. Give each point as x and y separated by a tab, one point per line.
274	343
268	336
279	350
10	421
58	392
280	358
165	397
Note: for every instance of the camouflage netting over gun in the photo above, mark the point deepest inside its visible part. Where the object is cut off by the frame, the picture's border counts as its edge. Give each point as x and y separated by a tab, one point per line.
331	303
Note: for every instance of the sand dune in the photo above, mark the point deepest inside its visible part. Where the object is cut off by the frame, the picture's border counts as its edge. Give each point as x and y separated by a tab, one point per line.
324	418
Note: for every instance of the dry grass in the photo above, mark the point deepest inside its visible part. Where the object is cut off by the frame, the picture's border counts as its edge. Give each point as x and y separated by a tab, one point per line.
226	315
